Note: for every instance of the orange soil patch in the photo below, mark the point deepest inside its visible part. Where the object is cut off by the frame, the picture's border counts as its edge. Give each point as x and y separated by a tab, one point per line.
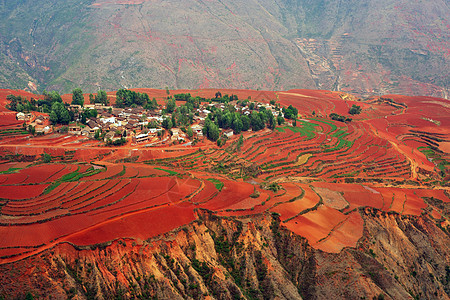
249	203
439	194
290	209
232	193
317	224
398	203
413	204
344	235
112	170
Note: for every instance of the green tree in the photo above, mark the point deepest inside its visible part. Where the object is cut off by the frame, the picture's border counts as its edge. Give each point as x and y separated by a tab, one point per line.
245	123
53	117
237	125
91	98
59	114
190	133
272	122
213	132
355	110
54	96
29	296
240	142
170	105
174	120
101	97
46	158
77	97
167	124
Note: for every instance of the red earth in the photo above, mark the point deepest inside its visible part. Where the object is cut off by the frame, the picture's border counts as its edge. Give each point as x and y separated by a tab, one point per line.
326	172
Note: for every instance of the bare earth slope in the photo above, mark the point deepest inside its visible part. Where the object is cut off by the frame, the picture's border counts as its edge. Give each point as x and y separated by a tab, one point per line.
379	47
356	210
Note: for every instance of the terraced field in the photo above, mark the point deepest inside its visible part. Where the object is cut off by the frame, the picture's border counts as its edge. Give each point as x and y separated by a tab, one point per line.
317	177
317	148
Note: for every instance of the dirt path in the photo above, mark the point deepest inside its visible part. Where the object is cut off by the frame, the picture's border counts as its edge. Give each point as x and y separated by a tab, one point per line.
413	163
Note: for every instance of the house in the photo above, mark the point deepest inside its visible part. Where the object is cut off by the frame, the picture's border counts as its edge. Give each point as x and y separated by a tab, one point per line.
40	120
133	123
74	129
92	124
154	131
177	134
116	112
109	136
89	106
137	111
75	107
42	129
140	138
134	117
85	131
197	129
228	133
20	116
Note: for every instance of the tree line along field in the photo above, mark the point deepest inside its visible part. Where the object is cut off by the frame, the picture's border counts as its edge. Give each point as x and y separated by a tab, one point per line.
316	176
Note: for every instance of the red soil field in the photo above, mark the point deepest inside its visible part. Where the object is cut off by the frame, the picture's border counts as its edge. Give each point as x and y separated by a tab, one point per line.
208	192
290	209
141	225
111	171
317	224
8	119
21	192
346	234
232	192
109	199
38	174
249	202
145	202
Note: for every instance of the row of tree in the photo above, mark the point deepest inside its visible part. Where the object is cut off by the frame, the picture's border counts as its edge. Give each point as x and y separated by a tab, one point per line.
128	98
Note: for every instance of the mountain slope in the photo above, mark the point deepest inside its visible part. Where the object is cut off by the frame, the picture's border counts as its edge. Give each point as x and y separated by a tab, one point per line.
390	46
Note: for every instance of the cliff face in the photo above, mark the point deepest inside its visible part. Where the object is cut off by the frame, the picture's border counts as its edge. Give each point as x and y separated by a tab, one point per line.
398	257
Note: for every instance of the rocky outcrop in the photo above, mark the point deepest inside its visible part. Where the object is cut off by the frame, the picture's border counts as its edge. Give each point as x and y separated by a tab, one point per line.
398	257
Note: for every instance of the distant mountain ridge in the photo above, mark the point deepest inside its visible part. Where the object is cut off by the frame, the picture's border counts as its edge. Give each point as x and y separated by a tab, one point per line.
363	47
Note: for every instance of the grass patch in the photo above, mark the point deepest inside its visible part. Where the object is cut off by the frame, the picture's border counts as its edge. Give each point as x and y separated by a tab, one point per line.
10	170
217	183
70	176
51	187
168	171
307	129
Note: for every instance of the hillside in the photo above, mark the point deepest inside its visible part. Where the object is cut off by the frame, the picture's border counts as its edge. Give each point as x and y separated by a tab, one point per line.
313	208
366	48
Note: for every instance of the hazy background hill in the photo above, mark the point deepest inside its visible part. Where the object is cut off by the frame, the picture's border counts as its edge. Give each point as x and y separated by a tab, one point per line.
386	46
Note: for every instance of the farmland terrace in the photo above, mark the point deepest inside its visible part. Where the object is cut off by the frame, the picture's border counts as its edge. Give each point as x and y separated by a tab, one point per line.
319	177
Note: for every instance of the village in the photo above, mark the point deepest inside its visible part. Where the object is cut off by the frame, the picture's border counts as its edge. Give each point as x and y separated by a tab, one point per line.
139	126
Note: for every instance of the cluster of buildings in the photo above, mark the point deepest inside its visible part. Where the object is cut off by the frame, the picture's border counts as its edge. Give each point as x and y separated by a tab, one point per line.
40	121
113	123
